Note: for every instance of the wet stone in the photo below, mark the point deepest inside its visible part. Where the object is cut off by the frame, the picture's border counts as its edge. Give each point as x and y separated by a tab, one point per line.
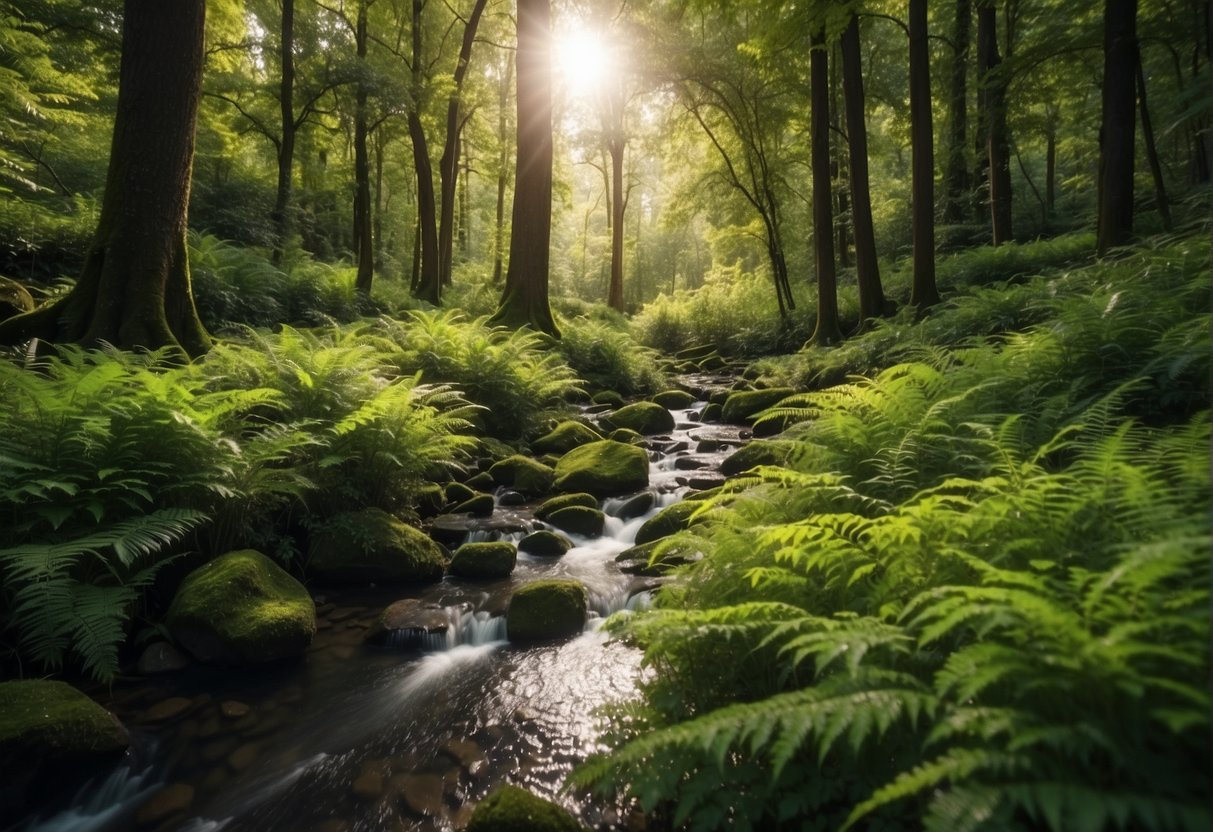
167	709
703	482
242	757
511	498
323	624
160	657
707	446
470	756
690	463
636	506
369	784
422	793
232	709
209	728
218	749
165	803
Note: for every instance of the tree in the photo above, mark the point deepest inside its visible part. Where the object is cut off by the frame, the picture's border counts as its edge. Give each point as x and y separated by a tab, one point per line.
1116	128
923	292
134	291
827	331
525	299
992	82
429	278
956	173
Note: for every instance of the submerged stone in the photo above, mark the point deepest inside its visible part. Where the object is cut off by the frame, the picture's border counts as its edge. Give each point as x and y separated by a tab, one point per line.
371	546
604	469
546	610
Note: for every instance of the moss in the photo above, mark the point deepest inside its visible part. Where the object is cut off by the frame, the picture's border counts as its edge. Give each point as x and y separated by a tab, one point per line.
564	501
711	413
483	560
742	406
626	436
431	498
43	720
479	506
545	610
696	353
604	469
524	474
565	437
643	417
674	399
608	397
457	492
587	522
672	519
513	809
242	608
756	453
371	545
481	482
545	544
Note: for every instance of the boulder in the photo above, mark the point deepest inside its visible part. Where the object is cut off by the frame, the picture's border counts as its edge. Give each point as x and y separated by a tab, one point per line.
643	417
587	522
523	474
711	364
564	437
481	482
545	610
430	500
483	560
608	397
636	506
242	608
604	469
664	523
626	436
479	506
457	492
545	544
370	545
674	399
407	621
759	452
514	809
14	299
564	501
742	406
711	413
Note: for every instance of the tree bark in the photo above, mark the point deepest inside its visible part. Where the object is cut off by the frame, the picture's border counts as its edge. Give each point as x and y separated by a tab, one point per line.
134	290
956	176
525	299
429	277
923	292
448	165
997	139
281	215
1116	133
867	268
615	146
1147	132
503	169
363	235
827	331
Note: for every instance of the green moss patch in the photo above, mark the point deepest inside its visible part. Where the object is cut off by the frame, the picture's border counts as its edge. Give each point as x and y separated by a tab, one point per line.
372	546
523	474
545	544
664	523
643	417
483	560
513	809
754	454
674	399
742	406
564	437
604	469
587	522
564	501
546	610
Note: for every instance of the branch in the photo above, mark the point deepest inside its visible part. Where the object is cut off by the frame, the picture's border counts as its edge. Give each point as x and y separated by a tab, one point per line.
258	125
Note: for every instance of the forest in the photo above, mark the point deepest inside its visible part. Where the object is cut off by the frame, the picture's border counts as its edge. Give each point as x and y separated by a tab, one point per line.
621	415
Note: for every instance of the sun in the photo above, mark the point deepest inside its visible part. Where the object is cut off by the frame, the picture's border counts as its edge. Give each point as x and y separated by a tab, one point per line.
583	61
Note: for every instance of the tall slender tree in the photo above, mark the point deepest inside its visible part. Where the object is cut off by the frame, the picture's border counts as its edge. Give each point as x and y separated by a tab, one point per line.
923	292
1116	139
827	331
428	283
956	171
993	83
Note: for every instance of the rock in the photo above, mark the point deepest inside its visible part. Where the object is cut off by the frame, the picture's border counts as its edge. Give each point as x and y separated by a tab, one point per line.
483	560
232	709
372	546
564	501
761	452
422	793
565	437
712	413
452	529
160	657
636	506
608	397
523	474
706	482
479	506
242	757
430	500
481	482
707	446
742	406
166	709
604	469
719	397
408	621
471	757
242	608
643	417
545	610
14	299
511	499
165	803
369	784
626	436
671	519
587	522
639	560
513	809
690	463
705	494
545	544
674	399
711	364
457	492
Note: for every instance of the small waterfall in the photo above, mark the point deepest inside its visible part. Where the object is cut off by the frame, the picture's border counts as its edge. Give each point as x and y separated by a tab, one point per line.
465	627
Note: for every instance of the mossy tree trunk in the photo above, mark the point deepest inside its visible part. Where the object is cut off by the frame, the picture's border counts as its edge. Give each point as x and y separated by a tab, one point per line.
923	292
364	244
134	290
525	299
827	331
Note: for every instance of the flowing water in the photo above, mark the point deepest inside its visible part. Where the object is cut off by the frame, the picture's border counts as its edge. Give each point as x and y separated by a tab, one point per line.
402	736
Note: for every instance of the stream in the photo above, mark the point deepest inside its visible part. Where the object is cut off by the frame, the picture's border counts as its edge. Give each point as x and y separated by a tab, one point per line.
408	736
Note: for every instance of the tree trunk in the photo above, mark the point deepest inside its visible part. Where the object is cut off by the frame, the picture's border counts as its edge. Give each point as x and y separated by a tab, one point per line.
134	290
503	169
867	268
464	227
378	223
827	331
923	292
956	176
448	165
615	146
1116	129
1147	132
363	236
838	168
1050	170
525	299
281	215
429	280
997	137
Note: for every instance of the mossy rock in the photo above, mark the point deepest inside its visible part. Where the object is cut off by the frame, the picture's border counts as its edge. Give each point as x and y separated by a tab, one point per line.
431	499
640	560
546	610
564	501
587	522
674	399
712	412
706	494
604	469
608	397
719	397
742	406
626	435
483	560
482	481
523	474
242	608
514	809
372	546
545	544
758	452
457	492
565	437
664	523
479	506
643	417
636	506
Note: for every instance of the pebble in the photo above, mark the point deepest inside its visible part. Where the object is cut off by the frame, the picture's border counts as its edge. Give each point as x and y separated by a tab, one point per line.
422	793
160	657
242	757
167	709
167	802
369	784
232	709
470	756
